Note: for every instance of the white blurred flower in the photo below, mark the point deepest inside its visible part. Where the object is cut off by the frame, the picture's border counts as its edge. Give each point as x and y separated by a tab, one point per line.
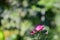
46	32
43	18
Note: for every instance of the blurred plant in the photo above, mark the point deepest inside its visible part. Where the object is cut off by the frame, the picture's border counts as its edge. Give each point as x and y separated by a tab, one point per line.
40	4
1	34
30	12
26	24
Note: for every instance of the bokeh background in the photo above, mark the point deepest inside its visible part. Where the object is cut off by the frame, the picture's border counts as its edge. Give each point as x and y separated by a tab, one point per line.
19	17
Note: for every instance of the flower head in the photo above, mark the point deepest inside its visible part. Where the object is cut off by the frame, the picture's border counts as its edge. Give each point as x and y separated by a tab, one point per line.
32	32
46	33
39	28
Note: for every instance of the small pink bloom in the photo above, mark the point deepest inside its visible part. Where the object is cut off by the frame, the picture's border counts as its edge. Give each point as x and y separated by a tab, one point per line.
33	32
39	28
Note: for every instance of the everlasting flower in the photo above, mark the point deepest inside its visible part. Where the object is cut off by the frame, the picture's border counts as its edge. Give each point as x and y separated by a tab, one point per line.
33	32
39	28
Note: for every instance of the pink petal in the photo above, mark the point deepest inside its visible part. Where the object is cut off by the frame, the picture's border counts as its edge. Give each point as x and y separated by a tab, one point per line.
33	32
39	27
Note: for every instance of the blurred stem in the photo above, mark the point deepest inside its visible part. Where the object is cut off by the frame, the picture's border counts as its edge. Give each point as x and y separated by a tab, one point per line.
38	36
46	38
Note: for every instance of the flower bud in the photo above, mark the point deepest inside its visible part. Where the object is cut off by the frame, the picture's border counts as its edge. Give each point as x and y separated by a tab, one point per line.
32	32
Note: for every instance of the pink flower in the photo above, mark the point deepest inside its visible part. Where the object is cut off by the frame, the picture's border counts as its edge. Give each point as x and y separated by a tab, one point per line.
39	28
32	32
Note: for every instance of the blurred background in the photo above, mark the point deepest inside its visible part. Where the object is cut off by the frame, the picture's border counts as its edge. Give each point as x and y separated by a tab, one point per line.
19	17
